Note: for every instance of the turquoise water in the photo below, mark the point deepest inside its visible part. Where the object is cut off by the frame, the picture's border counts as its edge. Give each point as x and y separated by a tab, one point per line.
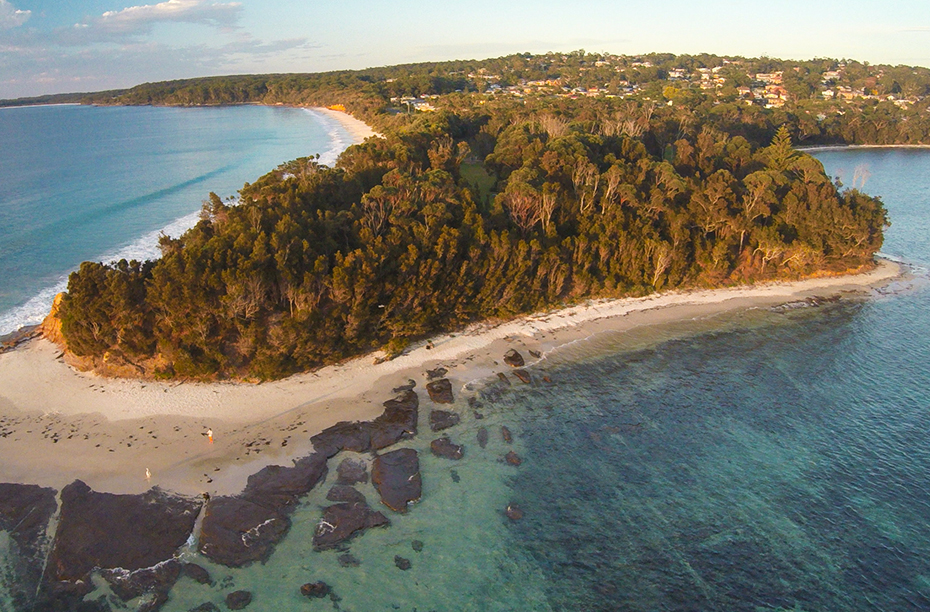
84	183
756	461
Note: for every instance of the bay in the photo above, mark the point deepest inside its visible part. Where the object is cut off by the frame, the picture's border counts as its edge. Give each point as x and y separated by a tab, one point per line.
84	183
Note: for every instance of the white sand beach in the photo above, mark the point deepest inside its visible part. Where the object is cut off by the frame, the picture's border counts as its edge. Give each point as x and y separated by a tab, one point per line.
58	424
359	130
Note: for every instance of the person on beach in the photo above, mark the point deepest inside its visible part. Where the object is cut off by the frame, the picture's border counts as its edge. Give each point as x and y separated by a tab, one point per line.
210	435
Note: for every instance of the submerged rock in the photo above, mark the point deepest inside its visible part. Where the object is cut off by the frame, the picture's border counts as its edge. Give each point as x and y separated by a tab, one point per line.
506	435
351	472
348	560
483	437
513	458
341	521
416	545
197	573
315	590
440	391
443	447
443	419
401	563
205	607
396	476
514	359
238	600
503	378
236	531
344	493
523	375
514	512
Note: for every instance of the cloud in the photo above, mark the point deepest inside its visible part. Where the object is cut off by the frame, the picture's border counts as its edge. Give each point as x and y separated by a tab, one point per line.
10	17
140	19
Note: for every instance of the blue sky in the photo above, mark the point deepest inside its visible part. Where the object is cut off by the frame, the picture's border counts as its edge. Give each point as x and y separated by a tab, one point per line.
52	46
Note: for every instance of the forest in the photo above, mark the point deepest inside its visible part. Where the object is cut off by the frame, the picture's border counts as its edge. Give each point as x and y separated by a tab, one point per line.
488	208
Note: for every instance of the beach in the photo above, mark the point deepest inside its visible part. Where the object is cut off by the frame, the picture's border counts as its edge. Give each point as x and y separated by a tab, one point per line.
359	130
58	424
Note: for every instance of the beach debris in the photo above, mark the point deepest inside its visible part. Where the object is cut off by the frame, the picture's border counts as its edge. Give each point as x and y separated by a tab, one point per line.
523	375
483	437
401	563
513	458
237	600
417	545
513	512
506	435
443	419
342	521
514	358
396	476
444	447
440	391
351	471
503	378
437	373
315	590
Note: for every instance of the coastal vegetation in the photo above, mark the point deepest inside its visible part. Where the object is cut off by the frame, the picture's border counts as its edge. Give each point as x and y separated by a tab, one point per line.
490	206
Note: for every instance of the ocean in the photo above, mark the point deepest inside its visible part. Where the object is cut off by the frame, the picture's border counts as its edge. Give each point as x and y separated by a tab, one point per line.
82	183
765	460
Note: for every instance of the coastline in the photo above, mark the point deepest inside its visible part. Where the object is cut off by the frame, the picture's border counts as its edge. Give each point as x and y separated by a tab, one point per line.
856	147
358	129
59	424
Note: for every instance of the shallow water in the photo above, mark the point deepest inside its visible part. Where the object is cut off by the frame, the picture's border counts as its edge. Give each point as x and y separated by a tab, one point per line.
84	183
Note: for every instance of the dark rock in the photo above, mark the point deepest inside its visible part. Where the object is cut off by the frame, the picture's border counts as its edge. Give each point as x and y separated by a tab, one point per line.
454	474
408	387
24	514
108	531
514	359
503	378
317	590
343	436
523	375
154	603
443	447
343	493
440	391
437	373
129	585
443	419
348	560
400	562
10	341
513	512
482	437
236	531
505	433
396	475
351	472
398	422
278	488
546	379
513	458
237	600
417	545
205	607
197	573
341	521
535	354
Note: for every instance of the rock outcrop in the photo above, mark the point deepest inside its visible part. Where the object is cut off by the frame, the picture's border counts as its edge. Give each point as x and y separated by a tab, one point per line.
514	359
342	521
24	514
440	391
444	447
443	419
396	475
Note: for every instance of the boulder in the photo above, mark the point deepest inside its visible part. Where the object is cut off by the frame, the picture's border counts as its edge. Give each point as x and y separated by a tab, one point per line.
315	590
197	573
443	447
514	359
440	391
443	419
523	375
396	475
397	422
483	437
345	493
343	436
238	600
506	435
513	458
236	531
25	511
342	521
513	512
279	487
351	472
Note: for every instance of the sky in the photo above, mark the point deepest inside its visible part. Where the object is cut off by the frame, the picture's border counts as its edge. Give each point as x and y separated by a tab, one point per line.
58	46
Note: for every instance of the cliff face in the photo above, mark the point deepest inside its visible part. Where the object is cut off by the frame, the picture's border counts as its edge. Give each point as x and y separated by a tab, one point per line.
51	325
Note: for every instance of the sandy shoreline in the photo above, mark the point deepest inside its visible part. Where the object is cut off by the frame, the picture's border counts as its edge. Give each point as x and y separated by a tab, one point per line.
359	130
58	424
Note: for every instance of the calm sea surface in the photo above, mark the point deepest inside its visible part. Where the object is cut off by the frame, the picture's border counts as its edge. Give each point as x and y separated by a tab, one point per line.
82	183
767	460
